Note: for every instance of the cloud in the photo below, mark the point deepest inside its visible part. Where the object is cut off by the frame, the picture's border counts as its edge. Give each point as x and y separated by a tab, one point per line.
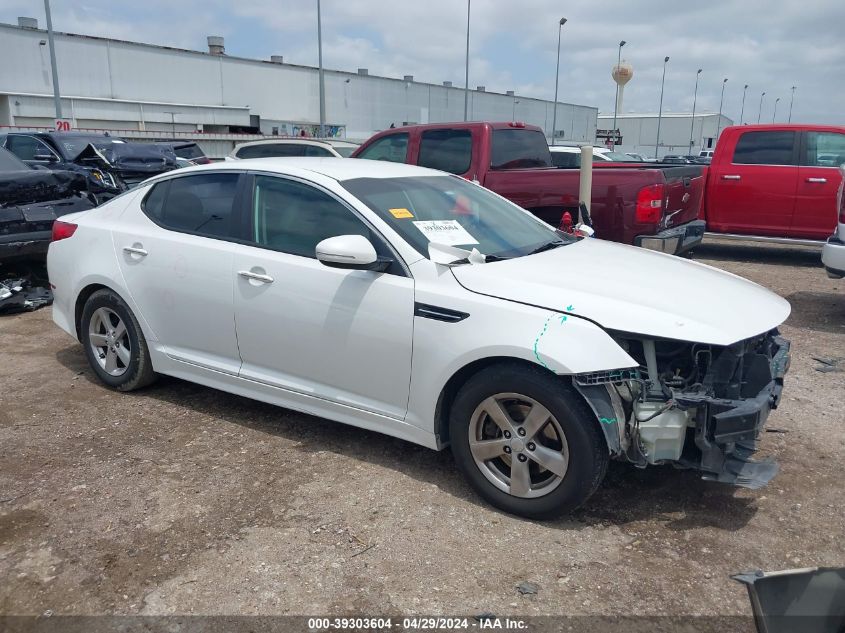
769	44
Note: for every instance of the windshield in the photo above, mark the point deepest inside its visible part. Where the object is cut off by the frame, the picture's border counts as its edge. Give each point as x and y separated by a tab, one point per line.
451	211
73	145
617	156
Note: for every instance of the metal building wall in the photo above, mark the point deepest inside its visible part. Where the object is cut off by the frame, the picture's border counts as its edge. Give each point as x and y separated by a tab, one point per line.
639	132
127	83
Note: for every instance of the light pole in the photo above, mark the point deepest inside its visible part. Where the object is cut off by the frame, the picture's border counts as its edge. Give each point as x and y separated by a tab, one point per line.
760	111
721	102
322	79
775	113
694	96
56	98
557	75
660	111
742	111
791	101
616	104
466	71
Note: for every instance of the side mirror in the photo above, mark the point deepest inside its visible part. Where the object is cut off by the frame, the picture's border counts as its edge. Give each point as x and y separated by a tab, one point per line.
354	252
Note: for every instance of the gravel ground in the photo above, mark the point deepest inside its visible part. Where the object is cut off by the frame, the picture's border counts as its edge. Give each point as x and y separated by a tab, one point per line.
181	499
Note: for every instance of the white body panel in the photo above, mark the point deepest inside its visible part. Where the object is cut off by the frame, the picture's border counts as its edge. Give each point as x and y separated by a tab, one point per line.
635	290
345	344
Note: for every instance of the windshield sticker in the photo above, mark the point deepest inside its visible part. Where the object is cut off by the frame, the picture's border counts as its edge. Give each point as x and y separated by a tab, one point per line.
400	214
448	232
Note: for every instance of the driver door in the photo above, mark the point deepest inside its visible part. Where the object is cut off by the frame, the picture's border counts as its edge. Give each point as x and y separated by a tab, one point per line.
343	336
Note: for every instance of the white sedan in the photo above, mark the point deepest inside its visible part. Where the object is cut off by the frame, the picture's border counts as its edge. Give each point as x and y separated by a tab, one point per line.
420	305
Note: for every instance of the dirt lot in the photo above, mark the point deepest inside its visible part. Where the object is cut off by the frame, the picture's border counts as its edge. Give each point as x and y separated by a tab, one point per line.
181	499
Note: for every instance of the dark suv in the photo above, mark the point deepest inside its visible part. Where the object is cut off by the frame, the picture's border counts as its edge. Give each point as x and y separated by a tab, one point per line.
110	164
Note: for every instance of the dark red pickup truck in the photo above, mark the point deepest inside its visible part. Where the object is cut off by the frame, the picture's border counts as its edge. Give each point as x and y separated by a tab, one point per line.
775	182
654	206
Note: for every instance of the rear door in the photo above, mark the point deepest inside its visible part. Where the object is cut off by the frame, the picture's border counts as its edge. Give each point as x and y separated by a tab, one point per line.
175	253
818	181
753	193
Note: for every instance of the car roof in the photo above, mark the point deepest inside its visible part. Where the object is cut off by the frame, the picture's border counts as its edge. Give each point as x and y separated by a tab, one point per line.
294	141
335	168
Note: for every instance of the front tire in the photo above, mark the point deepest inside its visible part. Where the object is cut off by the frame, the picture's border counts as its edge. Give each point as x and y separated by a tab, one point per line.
526	441
114	343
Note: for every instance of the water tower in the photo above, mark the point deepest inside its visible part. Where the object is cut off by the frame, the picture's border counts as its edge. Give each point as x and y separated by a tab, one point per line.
622	74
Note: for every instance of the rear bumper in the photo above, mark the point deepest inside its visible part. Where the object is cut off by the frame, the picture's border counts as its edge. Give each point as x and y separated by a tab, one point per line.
833	257
25	231
676	240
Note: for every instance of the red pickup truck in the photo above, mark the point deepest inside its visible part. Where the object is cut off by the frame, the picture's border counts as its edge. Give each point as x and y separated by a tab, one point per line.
776	182
654	206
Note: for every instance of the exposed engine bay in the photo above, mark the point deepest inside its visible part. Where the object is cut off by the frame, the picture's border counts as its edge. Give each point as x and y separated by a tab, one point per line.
694	405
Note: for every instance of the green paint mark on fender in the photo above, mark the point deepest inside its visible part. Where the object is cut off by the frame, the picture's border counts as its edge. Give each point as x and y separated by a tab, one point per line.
607	420
537	341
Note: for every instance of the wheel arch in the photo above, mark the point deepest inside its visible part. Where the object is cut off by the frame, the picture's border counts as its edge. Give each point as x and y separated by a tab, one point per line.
458	379
81	300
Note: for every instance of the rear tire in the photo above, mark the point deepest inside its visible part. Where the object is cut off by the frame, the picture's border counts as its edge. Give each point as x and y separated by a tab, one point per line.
526	441
114	343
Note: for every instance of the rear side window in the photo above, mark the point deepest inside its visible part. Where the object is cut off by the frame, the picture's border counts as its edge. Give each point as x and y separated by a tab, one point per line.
446	150
188	151
202	204
393	148
824	149
519	149
765	148
316	150
271	150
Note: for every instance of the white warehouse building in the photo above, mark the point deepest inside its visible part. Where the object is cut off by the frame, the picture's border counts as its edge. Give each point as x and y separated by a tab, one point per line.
148	91
639	132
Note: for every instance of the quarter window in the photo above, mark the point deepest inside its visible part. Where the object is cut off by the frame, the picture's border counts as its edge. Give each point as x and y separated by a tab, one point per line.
765	148
825	149
393	148
202	204
446	150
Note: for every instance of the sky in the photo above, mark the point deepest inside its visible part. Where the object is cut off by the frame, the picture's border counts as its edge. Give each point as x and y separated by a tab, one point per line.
771	45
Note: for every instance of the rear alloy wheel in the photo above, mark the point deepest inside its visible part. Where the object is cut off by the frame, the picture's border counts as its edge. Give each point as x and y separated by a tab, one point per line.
526	442
114	344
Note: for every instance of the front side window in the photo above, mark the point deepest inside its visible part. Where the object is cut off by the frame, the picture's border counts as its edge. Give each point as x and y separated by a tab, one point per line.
448	210
825	149
28	147
446	150
765	148
294	217
393	148
202	204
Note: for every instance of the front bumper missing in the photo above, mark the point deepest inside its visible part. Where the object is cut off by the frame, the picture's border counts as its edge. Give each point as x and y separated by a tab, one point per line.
676	240
727	430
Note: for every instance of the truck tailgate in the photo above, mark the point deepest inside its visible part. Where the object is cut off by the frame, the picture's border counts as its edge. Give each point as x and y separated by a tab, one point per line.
683	193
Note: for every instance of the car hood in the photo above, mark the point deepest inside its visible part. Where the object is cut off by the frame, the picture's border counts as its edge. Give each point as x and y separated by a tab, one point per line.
633	290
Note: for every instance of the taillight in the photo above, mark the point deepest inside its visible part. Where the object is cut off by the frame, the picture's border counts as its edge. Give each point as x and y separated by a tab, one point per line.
62	230
649	204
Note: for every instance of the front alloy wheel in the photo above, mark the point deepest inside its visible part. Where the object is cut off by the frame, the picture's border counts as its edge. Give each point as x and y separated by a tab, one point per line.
518	445
527	441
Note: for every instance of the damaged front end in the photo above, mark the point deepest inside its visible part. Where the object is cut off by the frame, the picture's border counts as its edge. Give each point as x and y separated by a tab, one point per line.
693	405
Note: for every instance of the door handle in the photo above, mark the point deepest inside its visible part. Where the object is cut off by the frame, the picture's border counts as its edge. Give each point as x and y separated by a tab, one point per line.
816	179
731	177
134	250
248	274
